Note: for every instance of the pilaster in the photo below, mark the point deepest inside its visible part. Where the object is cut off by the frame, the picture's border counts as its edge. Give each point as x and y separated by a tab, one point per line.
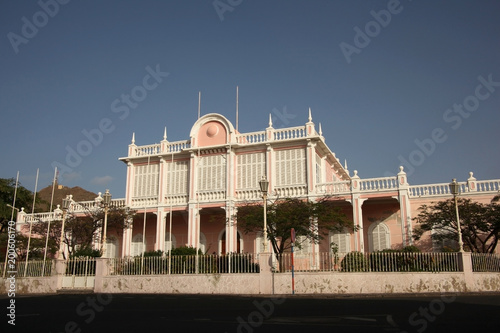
129	191
404	207
162	176
311	166
357	212
193	177
270	168
230	173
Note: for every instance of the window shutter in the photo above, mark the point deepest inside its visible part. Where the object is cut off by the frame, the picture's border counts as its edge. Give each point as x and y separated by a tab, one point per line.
380	237
110	248
137	245
291	166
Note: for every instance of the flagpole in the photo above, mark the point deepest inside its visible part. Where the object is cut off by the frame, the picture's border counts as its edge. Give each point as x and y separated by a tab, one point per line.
31	223
199	103
15	195
12	219
48	224
236	108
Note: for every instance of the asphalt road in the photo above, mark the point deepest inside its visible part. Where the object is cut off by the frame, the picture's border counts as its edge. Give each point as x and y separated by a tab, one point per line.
219	313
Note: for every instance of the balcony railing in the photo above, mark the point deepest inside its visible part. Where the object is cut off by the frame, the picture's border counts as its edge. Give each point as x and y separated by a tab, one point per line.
441	189
378	184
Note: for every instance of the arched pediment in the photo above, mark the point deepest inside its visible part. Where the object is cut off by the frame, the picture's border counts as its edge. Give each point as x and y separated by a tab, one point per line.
211	130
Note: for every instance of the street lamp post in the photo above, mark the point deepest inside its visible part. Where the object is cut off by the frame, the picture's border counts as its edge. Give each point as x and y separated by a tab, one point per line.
106	202
65	206
455	190
264	186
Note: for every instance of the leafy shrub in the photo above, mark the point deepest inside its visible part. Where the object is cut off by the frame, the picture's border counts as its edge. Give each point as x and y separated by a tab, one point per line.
354	262
235	263
157	253
86	252
185	251
411	248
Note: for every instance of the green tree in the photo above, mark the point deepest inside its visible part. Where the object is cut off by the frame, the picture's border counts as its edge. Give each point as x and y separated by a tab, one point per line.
82	228
479	223
311	219
24	198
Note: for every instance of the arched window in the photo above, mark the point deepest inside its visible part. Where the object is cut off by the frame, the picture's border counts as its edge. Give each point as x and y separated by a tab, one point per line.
342	241
137	246
167	242
379	237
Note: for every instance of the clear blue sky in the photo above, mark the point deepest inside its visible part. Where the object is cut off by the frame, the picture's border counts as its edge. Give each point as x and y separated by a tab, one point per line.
382	77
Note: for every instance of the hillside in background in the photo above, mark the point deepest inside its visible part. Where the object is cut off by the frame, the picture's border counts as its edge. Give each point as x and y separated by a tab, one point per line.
60	192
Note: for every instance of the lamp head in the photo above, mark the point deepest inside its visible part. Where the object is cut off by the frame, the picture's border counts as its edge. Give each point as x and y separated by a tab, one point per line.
264	185
454	187
67	201
106	198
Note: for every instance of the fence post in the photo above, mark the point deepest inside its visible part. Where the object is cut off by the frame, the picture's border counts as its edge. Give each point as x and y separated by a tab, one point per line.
266	274
465	265
101	270
60	270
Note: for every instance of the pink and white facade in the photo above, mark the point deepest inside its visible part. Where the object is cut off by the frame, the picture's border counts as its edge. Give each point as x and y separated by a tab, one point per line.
189	191
192	189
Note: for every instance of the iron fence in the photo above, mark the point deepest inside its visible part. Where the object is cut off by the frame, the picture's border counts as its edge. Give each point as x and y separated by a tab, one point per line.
34	268
485	262
80	266
185	264
369	262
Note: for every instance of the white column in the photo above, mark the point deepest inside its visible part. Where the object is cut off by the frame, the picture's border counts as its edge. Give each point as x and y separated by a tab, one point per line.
127	240
193	226
160	230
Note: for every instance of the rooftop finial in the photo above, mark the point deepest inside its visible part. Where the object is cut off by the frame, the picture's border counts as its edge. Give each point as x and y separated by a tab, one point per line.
345	164
133	137
165	134
310	117
320	130
270	121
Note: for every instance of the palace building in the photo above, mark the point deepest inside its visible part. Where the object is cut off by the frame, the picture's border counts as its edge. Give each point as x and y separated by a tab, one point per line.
188	192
